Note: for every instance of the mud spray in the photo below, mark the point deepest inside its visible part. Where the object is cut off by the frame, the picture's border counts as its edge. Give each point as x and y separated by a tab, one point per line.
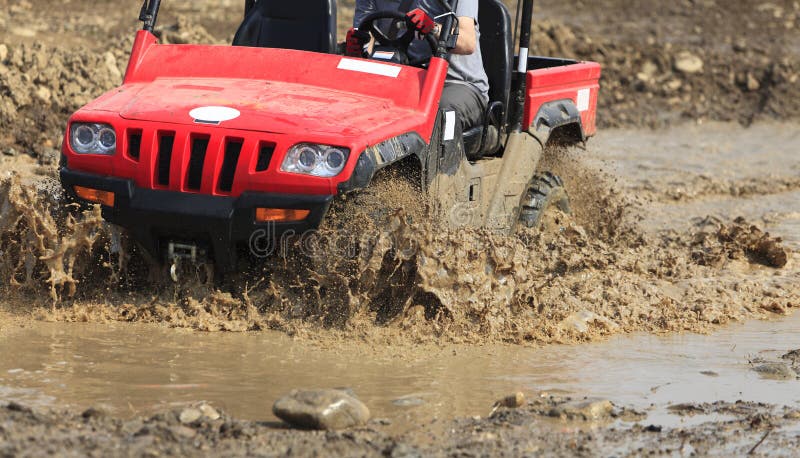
594	276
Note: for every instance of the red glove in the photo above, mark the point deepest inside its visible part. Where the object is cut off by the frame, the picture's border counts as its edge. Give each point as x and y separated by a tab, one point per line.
421	21
356	40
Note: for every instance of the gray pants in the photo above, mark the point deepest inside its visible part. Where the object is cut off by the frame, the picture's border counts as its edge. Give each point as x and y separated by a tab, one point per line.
466	101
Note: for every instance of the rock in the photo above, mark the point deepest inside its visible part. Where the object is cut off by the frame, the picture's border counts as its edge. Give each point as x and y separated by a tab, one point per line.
513	401
321	409
673	85
585	409
111	64
793	356
190	415
209	412
776	371
183	432
94	412
709	373
43	94
752	83
3	52
688	63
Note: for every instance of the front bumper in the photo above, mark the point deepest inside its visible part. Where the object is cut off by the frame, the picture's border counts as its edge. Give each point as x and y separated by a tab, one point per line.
221	224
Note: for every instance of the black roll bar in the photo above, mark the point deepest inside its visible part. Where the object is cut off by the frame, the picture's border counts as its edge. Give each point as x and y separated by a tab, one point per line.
149	14
518	88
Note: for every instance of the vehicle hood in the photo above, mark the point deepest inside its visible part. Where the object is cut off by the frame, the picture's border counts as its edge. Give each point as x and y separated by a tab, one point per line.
266	106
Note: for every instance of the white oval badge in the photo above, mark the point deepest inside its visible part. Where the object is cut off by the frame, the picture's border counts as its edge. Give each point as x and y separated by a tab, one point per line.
214	115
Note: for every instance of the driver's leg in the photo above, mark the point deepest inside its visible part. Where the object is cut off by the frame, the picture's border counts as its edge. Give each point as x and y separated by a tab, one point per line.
466	101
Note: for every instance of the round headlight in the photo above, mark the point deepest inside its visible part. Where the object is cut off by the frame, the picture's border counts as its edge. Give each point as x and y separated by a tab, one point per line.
85	136
335	160
307	159
107	139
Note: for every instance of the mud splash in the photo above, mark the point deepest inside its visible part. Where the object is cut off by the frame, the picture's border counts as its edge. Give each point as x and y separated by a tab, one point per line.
403	277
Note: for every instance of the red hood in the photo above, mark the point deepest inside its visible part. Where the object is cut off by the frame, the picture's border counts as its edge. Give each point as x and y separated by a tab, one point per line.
267	106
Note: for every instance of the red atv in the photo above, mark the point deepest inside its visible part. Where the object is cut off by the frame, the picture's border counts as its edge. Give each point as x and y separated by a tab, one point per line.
203	146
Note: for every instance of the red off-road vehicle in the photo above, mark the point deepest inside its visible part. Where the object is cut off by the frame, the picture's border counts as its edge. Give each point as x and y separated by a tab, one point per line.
204	145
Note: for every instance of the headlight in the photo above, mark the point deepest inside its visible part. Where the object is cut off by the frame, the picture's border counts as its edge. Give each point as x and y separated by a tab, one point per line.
317	160
93	138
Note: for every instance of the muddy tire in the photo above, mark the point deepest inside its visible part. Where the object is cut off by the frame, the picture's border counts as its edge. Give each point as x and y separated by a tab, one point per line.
545	193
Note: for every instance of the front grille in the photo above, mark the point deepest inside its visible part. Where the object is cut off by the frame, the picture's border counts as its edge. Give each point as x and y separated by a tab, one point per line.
166	142
194	176
197	159
233	148
134	144
265	152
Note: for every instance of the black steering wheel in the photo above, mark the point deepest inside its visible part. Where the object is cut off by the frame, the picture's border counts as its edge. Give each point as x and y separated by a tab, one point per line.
402	42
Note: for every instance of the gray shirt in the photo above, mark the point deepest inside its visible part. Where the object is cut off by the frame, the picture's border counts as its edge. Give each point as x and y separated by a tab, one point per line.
464	69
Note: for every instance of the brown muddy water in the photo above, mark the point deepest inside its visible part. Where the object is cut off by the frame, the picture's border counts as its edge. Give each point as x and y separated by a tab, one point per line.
682	175
140	369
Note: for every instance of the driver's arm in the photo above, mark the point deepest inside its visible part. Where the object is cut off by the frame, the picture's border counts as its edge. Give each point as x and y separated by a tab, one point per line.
467	38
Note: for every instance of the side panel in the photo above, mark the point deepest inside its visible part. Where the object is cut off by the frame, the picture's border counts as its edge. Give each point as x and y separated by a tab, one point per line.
579	83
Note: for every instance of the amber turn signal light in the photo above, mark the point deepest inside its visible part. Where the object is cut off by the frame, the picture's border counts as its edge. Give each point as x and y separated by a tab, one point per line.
95	195
280	215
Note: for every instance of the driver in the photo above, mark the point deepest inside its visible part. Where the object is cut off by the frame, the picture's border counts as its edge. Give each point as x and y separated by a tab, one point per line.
466	90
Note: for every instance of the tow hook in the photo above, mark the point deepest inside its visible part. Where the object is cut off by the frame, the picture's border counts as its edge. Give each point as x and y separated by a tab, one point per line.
178	252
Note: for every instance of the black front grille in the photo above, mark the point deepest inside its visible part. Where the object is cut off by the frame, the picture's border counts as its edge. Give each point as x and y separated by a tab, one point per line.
166	142
194	177
233	148
135	144
265	151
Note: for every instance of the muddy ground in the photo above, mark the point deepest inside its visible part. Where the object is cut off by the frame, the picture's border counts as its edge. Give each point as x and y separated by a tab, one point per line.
654	247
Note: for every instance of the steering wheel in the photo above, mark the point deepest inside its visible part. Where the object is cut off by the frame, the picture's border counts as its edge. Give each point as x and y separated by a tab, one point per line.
402	42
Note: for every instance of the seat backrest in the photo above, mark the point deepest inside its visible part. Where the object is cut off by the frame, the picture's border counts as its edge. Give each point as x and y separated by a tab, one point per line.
306	25
497	48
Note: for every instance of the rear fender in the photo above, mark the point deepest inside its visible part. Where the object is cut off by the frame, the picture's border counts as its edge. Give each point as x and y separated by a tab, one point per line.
560	116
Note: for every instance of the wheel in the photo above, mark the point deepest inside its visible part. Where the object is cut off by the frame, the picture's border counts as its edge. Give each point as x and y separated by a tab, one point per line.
545	194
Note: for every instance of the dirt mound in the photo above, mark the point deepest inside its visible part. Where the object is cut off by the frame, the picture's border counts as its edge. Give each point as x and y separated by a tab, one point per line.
41	86
652	83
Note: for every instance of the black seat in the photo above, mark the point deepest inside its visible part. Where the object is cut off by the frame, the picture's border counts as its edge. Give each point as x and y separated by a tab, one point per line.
306	25
497	49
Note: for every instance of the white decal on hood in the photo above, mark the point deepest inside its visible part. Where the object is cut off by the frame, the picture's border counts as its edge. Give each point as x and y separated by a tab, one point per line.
214	115
365	66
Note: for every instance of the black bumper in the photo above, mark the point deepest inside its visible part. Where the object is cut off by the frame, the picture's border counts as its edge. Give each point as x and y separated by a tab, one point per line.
221	224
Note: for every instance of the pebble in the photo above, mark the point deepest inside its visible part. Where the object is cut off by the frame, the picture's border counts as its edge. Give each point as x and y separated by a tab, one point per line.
585	409
43	94
321	409
183	431
513	401
111	64
3	52
190	415
752	83
209	412
688	63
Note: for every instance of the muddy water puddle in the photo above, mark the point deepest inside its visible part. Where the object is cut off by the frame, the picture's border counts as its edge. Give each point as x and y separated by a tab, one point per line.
137	369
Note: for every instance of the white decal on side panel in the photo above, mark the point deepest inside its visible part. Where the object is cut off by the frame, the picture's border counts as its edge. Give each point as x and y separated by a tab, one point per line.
214	115
449	125
373	68
584	96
